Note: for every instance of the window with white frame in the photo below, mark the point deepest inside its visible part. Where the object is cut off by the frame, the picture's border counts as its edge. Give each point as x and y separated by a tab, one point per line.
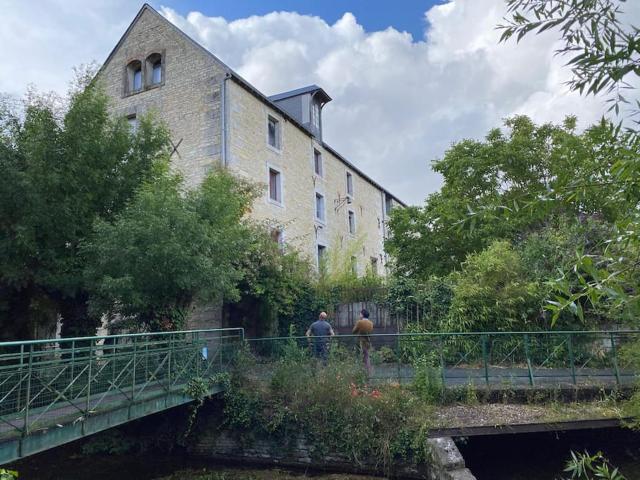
132	120
320	207
321	253
374	265
354	266
273	132
349	184
275	185
317	162
388	203
134	77
352	222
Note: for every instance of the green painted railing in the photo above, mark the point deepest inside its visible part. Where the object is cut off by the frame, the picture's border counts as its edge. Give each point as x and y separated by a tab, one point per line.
48	383
54	391
495	359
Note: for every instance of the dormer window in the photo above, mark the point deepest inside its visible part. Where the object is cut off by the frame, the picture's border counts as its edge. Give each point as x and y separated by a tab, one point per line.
134	76
315	115
305	106
154	69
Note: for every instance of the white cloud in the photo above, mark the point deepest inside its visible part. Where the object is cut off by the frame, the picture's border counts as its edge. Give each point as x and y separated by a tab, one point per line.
398	103
41	42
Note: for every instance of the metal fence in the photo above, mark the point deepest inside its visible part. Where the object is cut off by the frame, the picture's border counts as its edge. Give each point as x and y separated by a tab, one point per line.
50	382
493	359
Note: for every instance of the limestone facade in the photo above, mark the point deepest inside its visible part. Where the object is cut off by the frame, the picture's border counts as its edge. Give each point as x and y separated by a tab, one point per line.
216	117
187	99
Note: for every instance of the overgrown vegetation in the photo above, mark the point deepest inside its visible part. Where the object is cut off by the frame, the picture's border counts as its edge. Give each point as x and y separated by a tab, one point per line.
504	236
332	408
170	247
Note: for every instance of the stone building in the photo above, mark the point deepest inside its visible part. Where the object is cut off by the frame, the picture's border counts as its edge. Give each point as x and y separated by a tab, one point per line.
314	199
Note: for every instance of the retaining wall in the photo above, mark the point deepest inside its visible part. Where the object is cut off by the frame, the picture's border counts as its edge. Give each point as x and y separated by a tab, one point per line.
446	462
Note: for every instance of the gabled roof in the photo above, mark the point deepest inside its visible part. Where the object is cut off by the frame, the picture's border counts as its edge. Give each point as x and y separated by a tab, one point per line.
270	101
314	89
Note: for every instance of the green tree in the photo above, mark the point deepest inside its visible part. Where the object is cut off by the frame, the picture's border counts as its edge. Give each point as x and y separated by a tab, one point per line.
168	249
490	187
61	173
604	54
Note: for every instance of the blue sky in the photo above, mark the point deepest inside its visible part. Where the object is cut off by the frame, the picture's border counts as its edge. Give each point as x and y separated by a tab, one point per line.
403	15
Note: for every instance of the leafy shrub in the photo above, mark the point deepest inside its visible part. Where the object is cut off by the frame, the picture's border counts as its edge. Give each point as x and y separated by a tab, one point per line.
492	292
583	466
387	354
427	380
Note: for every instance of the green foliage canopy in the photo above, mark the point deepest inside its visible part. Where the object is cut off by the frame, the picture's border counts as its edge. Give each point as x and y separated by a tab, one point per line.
490	187
60	174
604	52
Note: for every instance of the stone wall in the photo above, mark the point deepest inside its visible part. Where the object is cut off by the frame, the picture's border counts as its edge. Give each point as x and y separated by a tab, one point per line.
446	462
187	100
250	156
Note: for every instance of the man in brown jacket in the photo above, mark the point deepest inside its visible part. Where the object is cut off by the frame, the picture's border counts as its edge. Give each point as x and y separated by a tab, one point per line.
363	328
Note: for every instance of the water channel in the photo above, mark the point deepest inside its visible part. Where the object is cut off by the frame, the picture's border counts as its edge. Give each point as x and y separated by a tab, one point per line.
542	456
497	457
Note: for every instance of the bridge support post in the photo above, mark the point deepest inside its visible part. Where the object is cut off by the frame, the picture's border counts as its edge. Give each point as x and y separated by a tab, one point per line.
133	373
20	377
89	374
442	366
614	350
572	358
73	363
25	426
526	352
485	360
169	360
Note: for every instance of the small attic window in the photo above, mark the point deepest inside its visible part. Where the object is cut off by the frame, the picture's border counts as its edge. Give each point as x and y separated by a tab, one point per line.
273	132
315	115
134	76
154	69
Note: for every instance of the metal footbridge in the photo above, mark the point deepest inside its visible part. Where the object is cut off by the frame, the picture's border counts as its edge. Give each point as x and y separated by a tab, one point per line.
56	391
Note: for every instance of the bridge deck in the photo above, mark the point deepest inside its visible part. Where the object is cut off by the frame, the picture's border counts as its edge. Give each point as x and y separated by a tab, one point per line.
56	391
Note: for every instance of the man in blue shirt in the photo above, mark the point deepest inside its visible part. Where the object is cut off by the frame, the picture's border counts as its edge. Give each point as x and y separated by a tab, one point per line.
321	331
